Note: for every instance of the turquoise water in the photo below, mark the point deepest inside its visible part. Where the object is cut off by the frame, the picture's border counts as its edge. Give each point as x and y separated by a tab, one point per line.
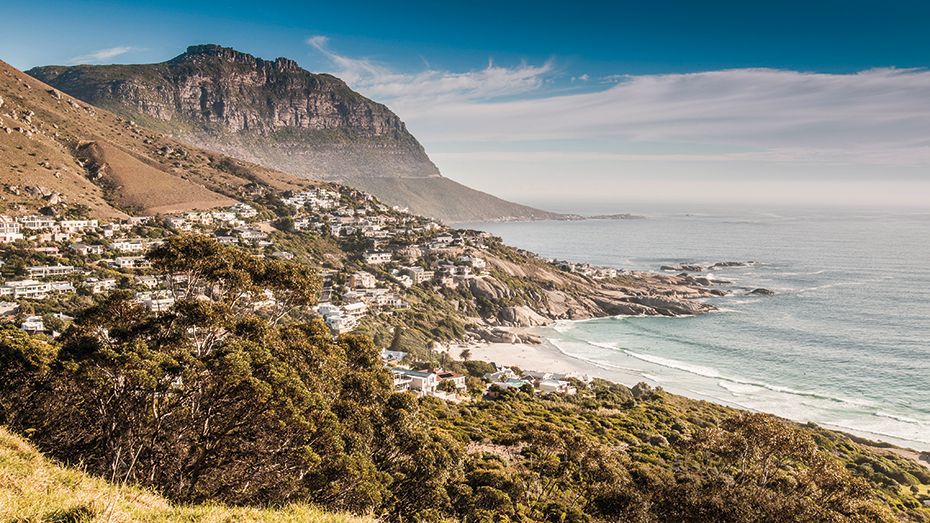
844	343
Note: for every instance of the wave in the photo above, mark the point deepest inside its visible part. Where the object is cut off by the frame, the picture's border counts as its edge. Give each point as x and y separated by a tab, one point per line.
877	432
707	372
902	419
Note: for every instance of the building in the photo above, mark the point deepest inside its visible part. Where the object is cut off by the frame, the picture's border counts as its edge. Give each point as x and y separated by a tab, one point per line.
97	286
45	271
243	210
376	257
10	229
423	383
75	226
457	379
36	222
361	279
84	249
131	262
25	289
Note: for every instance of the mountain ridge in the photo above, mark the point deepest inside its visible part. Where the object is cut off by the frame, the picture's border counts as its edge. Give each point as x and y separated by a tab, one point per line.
278	115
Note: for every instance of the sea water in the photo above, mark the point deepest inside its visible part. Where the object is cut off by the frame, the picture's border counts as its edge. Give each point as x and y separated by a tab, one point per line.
844	342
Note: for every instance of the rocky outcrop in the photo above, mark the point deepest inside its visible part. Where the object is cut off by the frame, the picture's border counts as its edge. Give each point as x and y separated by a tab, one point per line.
762	292
488	287
269	112
522	317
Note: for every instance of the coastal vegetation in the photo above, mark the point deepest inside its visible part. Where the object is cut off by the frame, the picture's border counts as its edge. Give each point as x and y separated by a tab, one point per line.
208	402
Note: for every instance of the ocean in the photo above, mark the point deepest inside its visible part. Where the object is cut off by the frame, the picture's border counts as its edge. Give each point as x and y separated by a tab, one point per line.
844	342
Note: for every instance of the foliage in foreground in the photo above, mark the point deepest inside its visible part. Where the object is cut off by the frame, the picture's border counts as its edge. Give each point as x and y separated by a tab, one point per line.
211	402
34	489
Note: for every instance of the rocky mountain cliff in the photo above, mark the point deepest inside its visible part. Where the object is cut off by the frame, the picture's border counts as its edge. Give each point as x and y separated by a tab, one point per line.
285	118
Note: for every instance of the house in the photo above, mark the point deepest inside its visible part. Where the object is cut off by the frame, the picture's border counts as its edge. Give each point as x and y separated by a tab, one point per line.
361	279
131	262
227	240
179	223
139	220
423	383
25	289
550	385
356	310
250	233
34	326
97	286
44	271
283	255
74	226
134	245
149	281
501	375
84	249
457	379
477	263
376	257
243	210
36	222
419	274
10	229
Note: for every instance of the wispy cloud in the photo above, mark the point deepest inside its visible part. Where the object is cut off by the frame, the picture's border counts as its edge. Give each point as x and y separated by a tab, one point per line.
436	88
102	55
879	116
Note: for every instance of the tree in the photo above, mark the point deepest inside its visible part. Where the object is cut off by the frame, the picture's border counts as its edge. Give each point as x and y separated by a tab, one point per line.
465	354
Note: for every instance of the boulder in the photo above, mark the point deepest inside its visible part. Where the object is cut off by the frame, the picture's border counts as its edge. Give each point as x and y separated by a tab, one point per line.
38	191
719	265
54	199
672	306
763	292
498	336
487	288
522	317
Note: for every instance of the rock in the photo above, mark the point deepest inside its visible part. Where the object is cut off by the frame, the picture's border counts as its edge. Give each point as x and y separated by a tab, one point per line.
684	267
641	389
487	287
55	94
721	282
672	306
760	291
1	101
38	191
498	336
532	339
54	199
703	281
522	317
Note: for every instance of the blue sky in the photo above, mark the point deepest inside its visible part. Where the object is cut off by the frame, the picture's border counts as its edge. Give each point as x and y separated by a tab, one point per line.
617	102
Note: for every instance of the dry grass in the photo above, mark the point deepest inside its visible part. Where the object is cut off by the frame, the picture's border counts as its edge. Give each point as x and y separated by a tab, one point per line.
44	152
33	489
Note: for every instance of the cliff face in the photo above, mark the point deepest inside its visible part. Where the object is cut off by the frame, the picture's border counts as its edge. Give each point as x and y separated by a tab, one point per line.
280	116
273	113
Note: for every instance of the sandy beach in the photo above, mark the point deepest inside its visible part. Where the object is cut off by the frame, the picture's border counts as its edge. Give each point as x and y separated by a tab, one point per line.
528	357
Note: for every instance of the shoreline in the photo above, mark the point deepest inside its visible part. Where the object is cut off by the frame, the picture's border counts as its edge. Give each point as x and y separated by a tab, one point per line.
546	357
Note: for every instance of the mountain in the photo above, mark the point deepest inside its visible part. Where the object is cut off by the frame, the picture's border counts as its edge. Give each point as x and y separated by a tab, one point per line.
60	155
285	118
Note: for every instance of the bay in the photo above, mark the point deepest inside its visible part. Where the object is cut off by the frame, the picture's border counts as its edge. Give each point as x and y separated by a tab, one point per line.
844	342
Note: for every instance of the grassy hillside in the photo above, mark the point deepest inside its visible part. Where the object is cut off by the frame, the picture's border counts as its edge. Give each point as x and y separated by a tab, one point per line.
104	166
34	488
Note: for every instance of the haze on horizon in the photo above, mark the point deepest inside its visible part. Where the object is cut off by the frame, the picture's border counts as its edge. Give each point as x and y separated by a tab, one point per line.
799	103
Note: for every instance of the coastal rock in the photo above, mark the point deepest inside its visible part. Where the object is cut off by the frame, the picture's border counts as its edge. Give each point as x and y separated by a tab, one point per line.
531	339
670	306
488	287
763	292
522	317
683	267
720	265
498	336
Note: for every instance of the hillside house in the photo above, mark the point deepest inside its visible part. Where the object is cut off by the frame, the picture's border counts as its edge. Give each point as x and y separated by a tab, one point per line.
25	289
45	271
376	257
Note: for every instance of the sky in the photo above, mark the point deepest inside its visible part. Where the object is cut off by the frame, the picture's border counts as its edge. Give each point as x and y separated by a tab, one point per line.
566	104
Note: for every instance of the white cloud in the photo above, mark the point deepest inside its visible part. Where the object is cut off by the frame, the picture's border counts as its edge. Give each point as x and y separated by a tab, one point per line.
431	87
875	123
102	55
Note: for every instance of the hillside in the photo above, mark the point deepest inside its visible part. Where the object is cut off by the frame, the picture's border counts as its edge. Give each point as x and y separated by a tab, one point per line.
34	488
285	118
65	156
